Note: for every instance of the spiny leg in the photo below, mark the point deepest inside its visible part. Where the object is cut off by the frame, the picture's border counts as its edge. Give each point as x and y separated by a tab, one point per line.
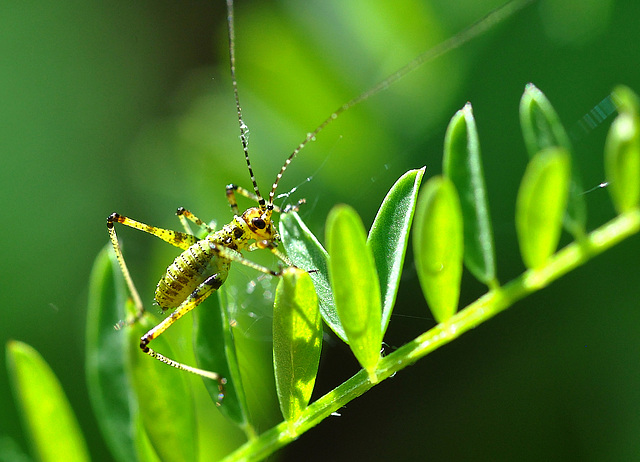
206	288
231	197
236	256
176	238
137	301
184	215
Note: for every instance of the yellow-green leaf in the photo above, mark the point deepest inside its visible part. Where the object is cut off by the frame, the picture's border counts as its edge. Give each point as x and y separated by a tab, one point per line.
626	100
542	129
297	341
438	246
541	203
356	289
52	427
622	161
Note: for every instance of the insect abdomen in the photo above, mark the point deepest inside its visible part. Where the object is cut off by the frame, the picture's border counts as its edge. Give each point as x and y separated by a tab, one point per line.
187	271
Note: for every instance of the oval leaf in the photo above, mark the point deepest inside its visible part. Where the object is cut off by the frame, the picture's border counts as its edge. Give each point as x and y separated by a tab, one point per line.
107	380
305	251
541	203
164	397
49	420
542	129
355	285
215	351
626	100
622	162
438	245
389	235
462	164
297	341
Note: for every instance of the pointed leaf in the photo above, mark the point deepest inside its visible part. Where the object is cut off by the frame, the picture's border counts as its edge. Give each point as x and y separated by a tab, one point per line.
438	244
389	235
164	397
622	162
626	100
355	285
215	351
52	427
297	341
462	164
541	203
305	251
107	380
542	129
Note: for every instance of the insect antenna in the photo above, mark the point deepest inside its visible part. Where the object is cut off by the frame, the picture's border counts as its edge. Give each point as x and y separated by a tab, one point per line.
243	126
476	29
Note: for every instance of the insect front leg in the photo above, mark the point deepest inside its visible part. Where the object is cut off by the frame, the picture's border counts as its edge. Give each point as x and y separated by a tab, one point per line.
231	197
206	288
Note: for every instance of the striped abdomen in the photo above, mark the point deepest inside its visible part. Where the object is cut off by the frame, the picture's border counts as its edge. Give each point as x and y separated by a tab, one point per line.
187	271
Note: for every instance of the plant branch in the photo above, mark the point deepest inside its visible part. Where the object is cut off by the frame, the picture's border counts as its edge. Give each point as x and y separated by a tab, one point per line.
481	310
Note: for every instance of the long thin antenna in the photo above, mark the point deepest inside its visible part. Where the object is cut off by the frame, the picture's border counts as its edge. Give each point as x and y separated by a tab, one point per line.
478	28
243	127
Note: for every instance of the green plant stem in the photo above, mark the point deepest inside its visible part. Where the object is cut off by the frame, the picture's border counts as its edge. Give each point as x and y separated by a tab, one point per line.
481	310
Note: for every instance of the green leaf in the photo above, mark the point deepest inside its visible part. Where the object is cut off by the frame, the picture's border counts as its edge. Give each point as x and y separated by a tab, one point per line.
438	244
215	351
462	164
107	380
164	397
541	203
297	341
389	235
305	251
49	420
542	129
355	285
10	451
622	162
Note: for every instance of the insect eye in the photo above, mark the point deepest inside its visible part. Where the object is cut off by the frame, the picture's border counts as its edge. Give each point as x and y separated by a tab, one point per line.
258	223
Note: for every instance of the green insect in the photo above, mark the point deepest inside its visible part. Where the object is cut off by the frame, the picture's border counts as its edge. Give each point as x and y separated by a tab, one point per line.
204	264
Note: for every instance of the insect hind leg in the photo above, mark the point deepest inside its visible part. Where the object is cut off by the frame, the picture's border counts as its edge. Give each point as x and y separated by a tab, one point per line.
206	288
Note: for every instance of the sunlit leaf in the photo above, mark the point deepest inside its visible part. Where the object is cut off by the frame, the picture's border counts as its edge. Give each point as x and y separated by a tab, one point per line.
462	164
355	285
389	235
626	100
297	341
622	162
306	252
541	203
52	427
542	129
438	246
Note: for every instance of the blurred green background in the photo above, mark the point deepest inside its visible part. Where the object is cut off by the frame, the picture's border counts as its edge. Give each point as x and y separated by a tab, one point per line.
127	107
